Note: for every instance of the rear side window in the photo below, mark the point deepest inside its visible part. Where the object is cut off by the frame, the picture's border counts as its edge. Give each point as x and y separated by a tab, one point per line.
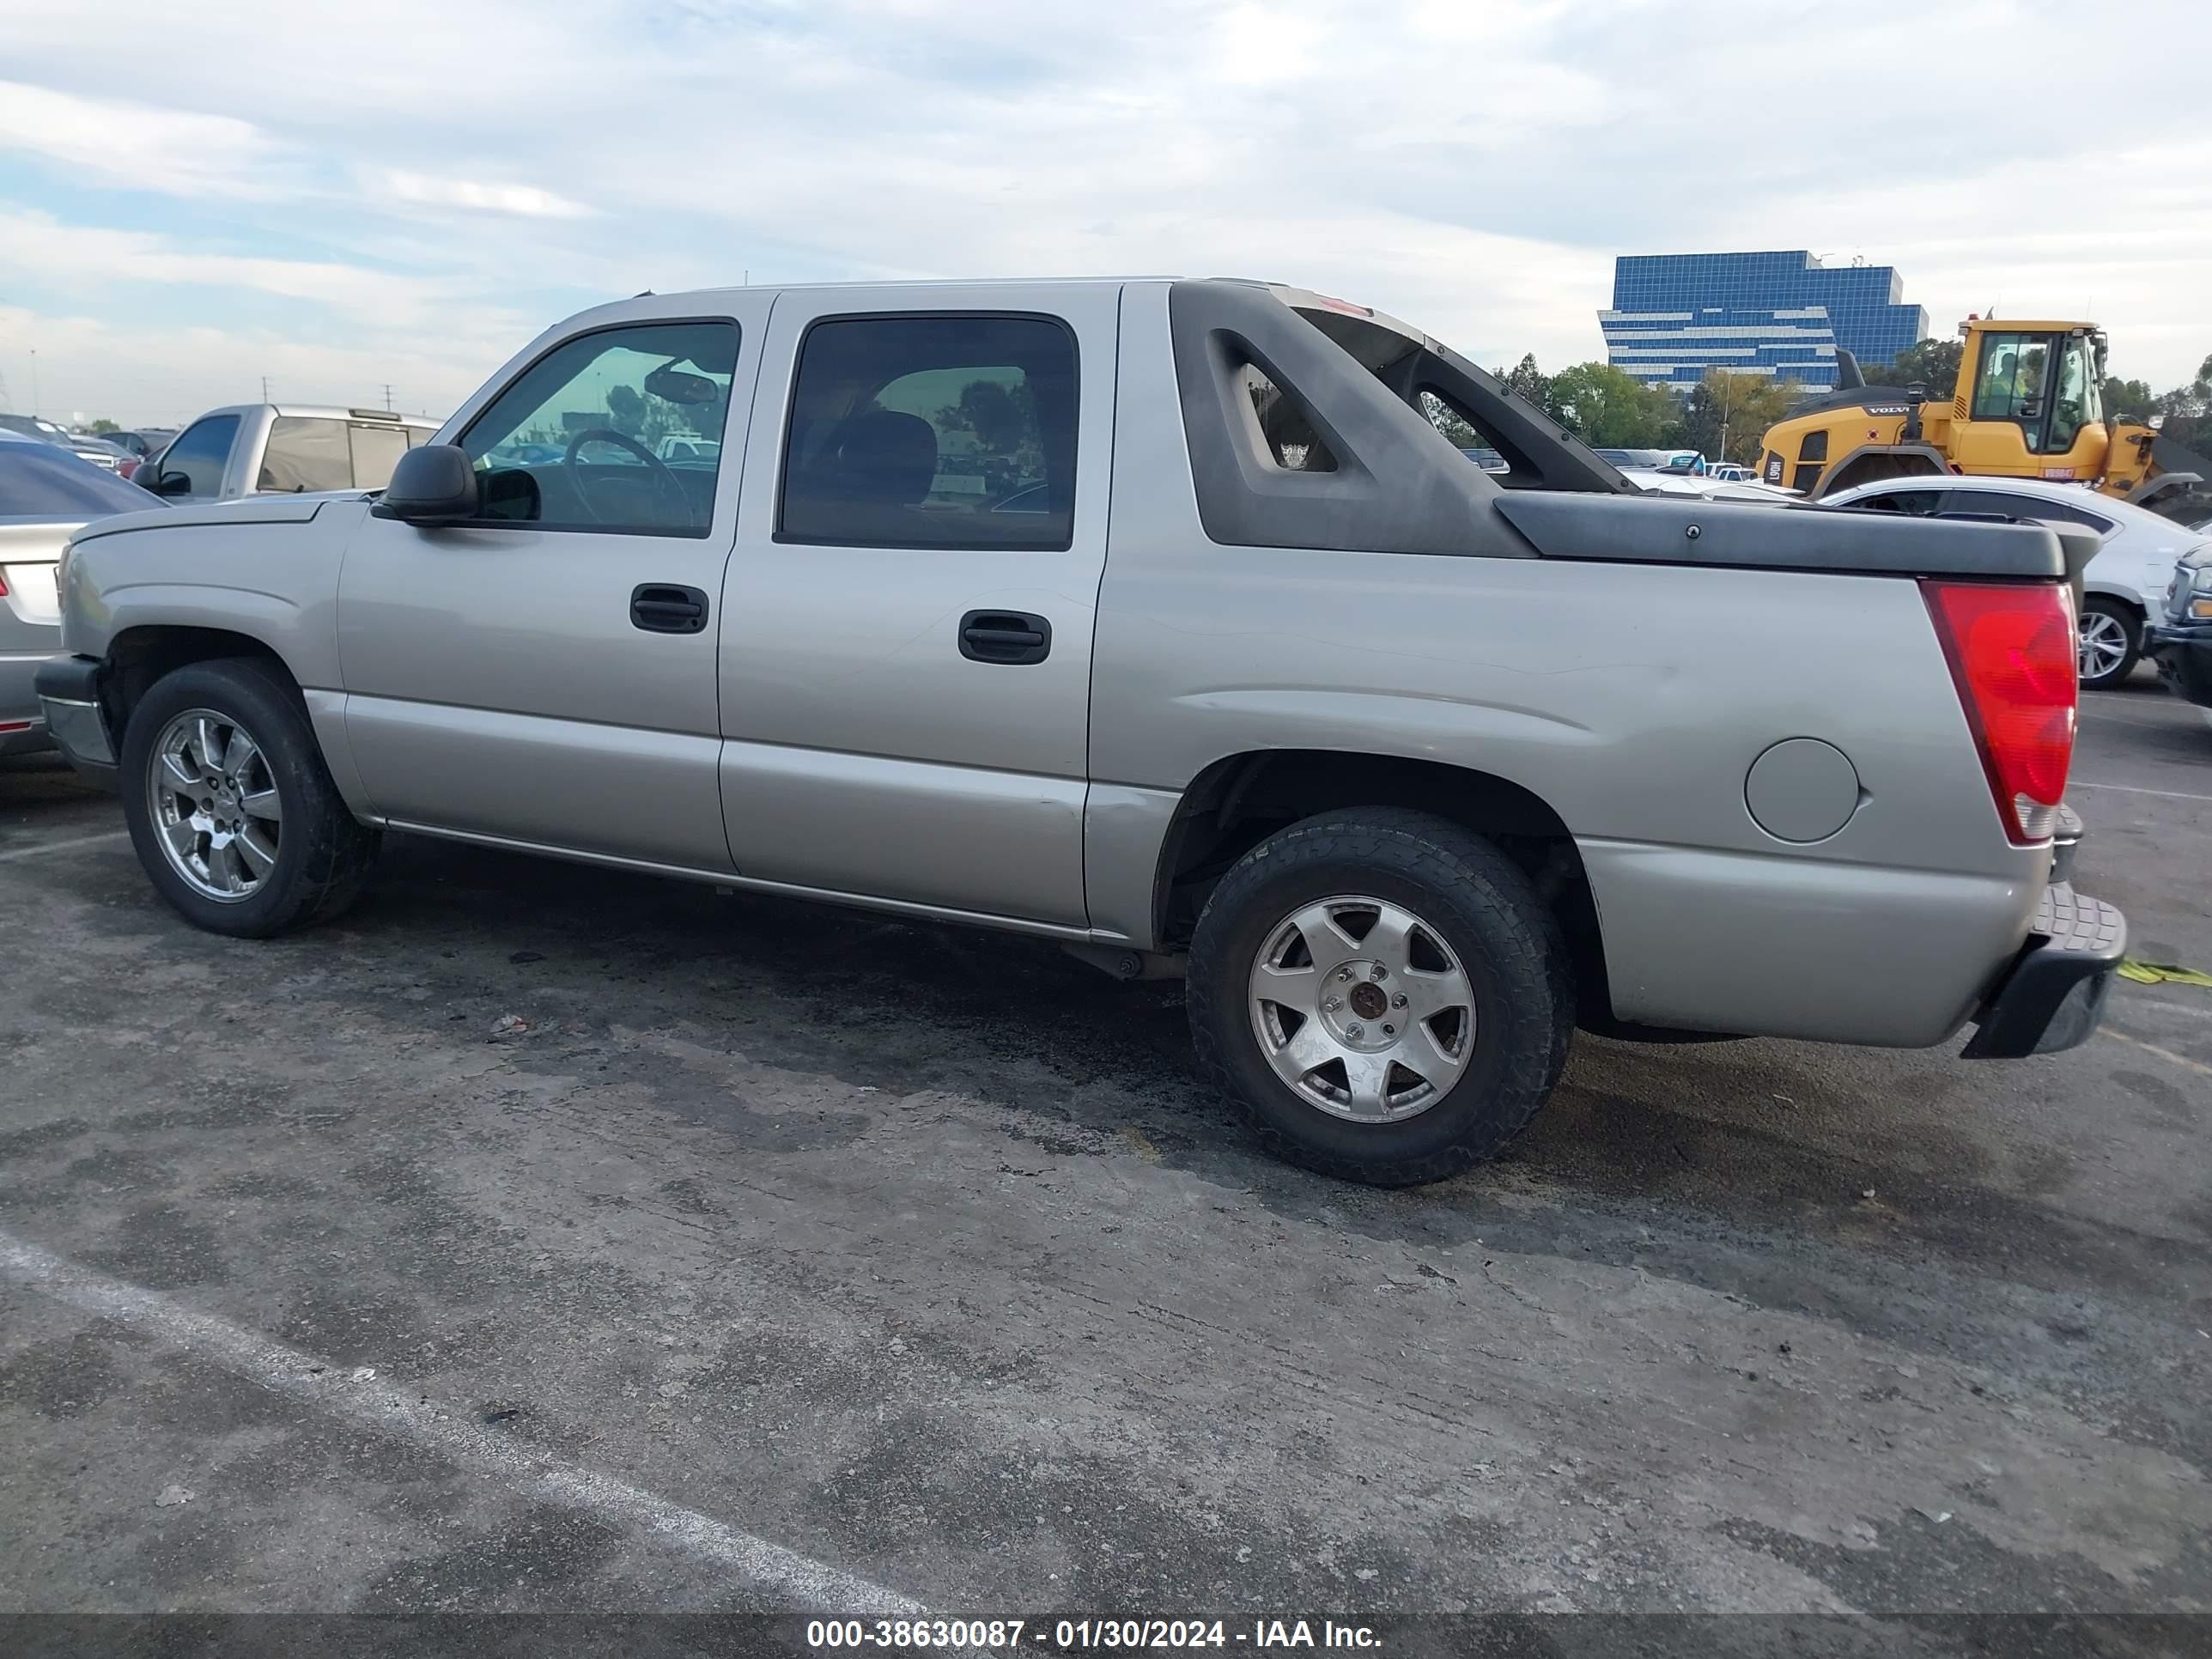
950	430
306	453
202	452
2027	507
375	450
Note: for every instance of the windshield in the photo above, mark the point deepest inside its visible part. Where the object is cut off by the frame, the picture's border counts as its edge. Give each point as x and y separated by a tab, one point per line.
39	481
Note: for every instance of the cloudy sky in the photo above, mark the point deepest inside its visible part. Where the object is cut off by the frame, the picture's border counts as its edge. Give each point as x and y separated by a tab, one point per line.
344	196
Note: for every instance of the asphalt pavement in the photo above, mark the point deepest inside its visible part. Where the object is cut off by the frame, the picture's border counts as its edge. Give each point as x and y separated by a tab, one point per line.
547	1239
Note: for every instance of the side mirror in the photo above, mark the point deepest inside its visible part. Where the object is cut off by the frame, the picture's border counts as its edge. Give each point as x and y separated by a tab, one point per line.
161	482
432	485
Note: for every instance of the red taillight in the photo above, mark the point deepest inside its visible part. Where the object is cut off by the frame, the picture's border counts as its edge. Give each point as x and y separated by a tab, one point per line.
3	588
2012	652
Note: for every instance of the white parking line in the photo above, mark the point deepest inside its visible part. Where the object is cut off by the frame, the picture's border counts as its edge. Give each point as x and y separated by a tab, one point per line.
2130	789
375	1405
2182	1060
63	845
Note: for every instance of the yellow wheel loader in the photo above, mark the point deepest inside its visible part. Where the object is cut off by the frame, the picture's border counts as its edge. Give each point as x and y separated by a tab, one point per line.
2027	405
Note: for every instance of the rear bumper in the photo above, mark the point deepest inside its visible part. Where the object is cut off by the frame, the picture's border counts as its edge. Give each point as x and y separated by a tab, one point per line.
2053	995
68	691
23	722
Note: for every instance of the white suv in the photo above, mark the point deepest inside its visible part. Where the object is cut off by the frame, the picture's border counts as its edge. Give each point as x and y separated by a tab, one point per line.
2127	580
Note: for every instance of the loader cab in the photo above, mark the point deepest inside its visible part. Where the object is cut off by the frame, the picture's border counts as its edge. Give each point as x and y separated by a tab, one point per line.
2028	402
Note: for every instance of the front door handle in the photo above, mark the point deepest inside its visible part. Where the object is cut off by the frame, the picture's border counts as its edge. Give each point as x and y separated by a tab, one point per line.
1008	637
664	608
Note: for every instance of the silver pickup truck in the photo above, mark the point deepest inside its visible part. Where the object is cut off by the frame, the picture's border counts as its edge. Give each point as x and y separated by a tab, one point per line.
1162	619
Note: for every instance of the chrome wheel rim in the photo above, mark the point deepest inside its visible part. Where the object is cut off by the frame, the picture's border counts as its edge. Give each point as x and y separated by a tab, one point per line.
213	805
1362	1009
2103	644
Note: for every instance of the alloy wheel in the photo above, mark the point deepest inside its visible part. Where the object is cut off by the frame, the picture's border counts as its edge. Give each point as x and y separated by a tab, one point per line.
214	805
2103	644
1362	1009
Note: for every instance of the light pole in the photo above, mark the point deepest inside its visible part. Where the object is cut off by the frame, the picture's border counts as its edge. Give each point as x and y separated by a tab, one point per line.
34	379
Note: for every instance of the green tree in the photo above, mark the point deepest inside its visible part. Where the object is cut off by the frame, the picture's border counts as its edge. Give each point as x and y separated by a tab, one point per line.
1447	420
1610	408
1726	415
102	426
626	410
1932	363
1525	381
2129	399
2188	410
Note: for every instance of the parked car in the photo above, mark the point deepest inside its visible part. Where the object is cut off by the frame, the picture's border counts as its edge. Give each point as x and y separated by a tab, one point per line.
102	454
2127	581
2181	638
1410	766
1673	461
46	492
250	449
142	443
1705	486
684	447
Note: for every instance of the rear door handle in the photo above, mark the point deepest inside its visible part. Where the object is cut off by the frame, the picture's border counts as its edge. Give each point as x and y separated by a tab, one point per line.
1007	638
664	608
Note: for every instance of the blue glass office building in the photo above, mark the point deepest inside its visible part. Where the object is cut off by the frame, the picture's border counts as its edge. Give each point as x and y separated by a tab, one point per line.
1675	315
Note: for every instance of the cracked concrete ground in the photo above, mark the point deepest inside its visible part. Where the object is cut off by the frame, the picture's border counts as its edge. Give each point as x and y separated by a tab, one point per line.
922	1256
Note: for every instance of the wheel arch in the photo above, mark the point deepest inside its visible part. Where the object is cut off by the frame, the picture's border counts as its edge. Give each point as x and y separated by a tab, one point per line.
1879	462
2119	595
1239	799
141	653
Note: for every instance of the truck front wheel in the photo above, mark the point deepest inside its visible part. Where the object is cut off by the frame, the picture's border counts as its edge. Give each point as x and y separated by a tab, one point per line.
1383	992
230	806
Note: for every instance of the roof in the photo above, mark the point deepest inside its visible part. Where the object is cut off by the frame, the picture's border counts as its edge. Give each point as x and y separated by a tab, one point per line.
2051	490
331	412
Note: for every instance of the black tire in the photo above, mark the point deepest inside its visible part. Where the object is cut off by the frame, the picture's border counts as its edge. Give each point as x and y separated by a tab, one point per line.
2132	621
324	852
1478	902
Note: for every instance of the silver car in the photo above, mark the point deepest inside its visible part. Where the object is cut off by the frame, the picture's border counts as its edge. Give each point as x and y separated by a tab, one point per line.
284	449
46	492
2127	581
1161	619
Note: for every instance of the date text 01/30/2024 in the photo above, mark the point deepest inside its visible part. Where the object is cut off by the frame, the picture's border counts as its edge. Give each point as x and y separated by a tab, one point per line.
1083	1635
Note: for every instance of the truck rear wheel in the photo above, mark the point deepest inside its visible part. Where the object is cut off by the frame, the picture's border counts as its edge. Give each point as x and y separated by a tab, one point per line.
230	806
1385	993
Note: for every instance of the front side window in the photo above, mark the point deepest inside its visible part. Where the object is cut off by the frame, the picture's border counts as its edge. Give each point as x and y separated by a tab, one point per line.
935	431
201	452
2078	401
2011	384
582	439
